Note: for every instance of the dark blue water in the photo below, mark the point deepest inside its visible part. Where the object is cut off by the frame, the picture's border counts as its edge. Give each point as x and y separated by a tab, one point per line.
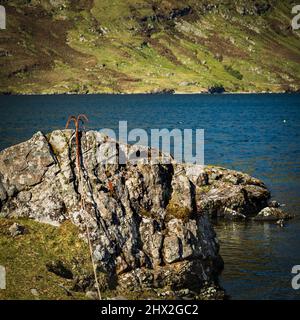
258	134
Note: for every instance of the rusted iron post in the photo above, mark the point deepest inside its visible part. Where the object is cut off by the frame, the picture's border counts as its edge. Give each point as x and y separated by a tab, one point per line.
83	118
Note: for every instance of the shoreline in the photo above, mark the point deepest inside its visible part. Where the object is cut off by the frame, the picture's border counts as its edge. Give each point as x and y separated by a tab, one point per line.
151	94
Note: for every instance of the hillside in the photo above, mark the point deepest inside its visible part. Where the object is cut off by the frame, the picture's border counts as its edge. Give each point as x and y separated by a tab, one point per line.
136	46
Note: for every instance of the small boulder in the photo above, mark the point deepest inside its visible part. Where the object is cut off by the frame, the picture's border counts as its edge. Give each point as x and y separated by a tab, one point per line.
274	204
271	214
92	295
280	223
233	215
35	293
16	230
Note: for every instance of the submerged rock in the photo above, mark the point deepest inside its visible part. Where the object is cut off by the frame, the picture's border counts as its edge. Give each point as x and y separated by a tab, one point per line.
272	214
149	223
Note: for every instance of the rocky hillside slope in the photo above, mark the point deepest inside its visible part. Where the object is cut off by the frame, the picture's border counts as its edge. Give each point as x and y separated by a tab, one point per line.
149	223
132	46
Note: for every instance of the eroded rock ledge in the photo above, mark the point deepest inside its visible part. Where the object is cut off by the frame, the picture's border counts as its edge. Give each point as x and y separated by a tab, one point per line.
149	223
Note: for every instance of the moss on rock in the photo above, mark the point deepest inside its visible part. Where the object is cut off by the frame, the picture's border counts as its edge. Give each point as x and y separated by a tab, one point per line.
178	212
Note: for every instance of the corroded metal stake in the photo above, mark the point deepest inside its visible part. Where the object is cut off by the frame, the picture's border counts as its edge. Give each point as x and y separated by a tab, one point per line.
77	120
81	118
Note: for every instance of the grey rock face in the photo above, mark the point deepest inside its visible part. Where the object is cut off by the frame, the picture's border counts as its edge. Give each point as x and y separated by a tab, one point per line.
149	224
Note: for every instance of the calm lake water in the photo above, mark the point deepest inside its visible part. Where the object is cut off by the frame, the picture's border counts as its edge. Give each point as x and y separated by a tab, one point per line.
258	134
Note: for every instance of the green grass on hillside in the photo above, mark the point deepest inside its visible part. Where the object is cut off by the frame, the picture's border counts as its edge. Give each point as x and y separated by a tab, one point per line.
138	46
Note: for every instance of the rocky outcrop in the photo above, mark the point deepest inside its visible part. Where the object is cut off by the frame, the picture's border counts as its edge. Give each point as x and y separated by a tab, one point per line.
230	194
149	223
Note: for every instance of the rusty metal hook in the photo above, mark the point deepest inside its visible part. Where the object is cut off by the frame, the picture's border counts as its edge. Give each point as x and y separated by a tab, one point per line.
80	118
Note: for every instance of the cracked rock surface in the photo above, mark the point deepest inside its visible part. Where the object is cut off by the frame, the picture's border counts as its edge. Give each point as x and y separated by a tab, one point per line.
149	223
